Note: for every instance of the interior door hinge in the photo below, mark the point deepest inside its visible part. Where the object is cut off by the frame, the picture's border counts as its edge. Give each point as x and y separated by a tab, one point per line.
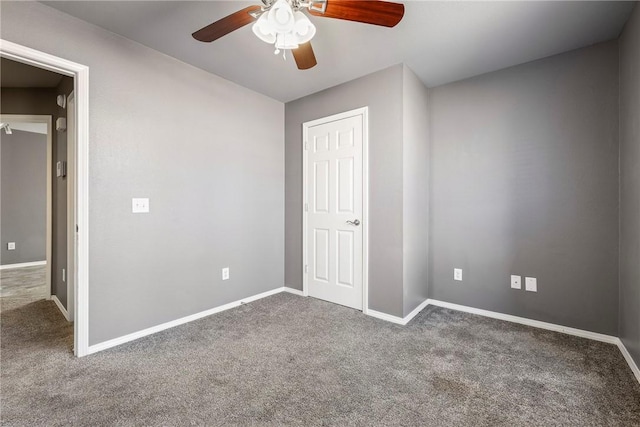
306	207
306	268
306	145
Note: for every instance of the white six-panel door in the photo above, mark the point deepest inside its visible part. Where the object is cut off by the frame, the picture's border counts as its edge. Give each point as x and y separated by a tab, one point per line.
334	209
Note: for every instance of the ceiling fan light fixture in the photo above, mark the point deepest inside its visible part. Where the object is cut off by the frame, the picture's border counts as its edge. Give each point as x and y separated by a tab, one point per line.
304	29
263	30
284	27
281	17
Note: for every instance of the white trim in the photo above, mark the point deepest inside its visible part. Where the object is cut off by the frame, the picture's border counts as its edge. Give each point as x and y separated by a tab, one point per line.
415	311
23	265
293	291
152	330
71	205
385	316
629	359
528	322
379	315
63	310
548	326
399	320
80	73
46	119
364	112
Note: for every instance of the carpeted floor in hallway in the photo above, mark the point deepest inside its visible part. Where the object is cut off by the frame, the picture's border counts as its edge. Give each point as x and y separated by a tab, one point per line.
289	360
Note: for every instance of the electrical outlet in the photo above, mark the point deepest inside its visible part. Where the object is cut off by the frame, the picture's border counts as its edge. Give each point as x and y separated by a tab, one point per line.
516	282
225	273
139	205
457	274
531	284
11	246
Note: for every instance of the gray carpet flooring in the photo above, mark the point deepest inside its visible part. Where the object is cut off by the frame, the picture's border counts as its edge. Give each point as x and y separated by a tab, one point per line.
19	286
289	360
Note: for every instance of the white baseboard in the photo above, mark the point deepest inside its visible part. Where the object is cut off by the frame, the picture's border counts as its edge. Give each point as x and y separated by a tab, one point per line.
152	330
629	359
293	291
548	326
395	319
377	314
415	311
22	265
529	322
64	311
385	316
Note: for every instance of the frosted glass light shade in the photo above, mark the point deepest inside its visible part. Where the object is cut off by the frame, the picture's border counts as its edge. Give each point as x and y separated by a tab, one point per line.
303	28
262	28
284	27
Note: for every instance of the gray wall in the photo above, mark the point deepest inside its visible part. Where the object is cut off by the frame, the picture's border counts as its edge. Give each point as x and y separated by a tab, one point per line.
630	185
23	196
208	154
525	181
59	232
415	118
382	93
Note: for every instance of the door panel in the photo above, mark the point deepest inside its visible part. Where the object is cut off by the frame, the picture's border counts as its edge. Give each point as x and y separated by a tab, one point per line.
321	255
321	186
334	214
345	258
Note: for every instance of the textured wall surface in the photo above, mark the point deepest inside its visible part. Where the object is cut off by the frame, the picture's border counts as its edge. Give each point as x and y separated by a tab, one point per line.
209	155
24	196
630	185
415	153
525	181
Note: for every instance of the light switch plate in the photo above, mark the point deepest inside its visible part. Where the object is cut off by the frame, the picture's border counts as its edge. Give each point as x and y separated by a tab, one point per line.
531	284
516	282
139	205
11	246
457	274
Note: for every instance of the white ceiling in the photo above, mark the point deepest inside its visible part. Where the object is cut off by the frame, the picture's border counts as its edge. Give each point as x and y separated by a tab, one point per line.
441	41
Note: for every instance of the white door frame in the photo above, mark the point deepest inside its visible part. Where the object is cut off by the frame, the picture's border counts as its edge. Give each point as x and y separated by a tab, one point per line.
364	112
37	118
71	205
80	73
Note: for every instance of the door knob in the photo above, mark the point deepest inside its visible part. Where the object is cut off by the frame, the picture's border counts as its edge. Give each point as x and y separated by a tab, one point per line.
355	222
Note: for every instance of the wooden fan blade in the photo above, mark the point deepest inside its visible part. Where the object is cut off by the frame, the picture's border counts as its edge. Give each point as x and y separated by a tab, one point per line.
226	25
374	12
304	56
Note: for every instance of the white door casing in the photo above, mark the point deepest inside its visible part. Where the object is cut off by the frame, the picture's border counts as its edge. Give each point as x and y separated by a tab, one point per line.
334	217
72	240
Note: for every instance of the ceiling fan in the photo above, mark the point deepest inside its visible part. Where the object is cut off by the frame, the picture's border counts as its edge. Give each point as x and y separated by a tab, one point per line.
283	23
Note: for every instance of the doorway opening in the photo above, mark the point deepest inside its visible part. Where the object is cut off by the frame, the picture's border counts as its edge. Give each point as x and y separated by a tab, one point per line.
26	147
67	250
